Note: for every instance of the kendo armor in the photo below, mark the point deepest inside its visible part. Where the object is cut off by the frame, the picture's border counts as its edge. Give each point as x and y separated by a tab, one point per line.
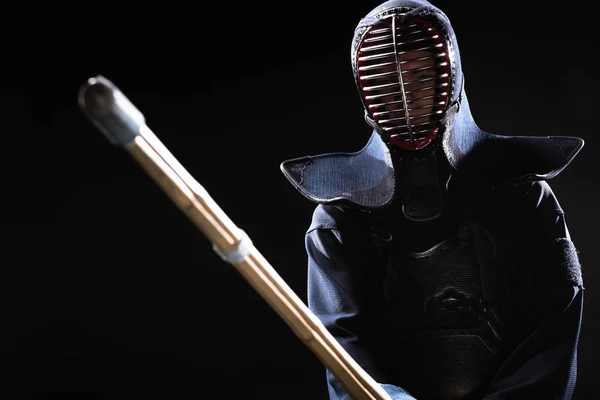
424	145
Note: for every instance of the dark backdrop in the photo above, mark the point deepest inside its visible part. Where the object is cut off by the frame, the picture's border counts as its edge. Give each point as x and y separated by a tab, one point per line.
110	292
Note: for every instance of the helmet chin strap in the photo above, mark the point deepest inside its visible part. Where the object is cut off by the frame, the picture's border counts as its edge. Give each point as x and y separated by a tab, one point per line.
373	124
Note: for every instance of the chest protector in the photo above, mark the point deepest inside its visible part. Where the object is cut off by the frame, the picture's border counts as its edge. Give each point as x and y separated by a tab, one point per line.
444	335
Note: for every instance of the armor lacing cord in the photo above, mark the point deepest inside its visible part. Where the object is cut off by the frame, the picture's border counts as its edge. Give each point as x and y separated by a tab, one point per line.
238	253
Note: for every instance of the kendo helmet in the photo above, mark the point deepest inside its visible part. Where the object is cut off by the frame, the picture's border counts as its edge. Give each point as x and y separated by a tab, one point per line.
404	65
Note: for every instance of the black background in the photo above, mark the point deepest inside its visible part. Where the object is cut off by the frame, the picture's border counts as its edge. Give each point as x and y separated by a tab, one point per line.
110	292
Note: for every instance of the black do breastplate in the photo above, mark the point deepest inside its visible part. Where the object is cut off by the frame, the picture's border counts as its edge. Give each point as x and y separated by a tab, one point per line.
444	341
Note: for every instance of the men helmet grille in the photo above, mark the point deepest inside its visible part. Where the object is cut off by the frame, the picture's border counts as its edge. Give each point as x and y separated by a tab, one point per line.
403	73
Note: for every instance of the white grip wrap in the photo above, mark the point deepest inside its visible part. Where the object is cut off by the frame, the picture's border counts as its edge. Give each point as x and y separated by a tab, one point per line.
238	253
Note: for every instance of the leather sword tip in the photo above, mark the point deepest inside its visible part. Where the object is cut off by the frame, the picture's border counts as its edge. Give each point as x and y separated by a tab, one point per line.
96	96
110	111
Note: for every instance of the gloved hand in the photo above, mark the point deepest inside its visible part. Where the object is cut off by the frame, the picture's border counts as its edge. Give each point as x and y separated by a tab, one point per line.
396	393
